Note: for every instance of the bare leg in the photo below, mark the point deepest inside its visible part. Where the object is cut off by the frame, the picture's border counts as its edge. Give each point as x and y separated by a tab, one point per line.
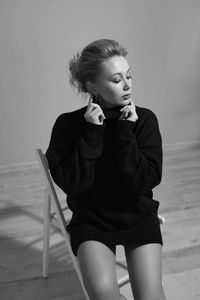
145	271
98	268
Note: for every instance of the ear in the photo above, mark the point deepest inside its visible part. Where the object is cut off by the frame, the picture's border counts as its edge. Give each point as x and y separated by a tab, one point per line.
91	87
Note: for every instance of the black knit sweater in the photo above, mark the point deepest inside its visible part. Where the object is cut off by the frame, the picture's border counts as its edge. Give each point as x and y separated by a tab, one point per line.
107	171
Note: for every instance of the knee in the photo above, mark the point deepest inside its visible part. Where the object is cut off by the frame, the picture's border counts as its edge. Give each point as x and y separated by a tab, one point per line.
103	290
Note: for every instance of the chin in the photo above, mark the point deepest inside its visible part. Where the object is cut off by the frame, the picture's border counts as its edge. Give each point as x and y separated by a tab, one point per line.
125	102
120	103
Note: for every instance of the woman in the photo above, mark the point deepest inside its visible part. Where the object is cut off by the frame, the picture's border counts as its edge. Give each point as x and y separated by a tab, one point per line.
107	158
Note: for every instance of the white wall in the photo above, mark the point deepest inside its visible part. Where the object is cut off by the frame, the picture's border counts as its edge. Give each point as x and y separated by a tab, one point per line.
38	38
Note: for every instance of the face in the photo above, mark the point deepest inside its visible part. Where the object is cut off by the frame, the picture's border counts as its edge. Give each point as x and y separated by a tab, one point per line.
113	84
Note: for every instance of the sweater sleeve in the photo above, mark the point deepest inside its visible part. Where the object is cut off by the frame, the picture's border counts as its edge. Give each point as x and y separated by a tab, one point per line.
72	161
139	155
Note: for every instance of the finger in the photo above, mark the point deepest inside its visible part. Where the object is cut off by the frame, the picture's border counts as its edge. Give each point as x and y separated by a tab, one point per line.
97	112
128	113
101	118
124	108
130	108
94	109
133	104
89	104
94	106
98	117
123	115
127	107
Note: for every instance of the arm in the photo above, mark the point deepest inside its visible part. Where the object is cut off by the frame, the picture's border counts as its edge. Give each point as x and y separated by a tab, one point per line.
72	161
139	153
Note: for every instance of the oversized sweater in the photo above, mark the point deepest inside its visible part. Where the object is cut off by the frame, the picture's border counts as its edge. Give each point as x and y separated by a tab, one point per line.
107	171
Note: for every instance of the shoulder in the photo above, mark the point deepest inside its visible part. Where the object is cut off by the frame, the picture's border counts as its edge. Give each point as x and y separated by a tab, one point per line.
69	125
147	126
147	121
145	112
72	117
146	116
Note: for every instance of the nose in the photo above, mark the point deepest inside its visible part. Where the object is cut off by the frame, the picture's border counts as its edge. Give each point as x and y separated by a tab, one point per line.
127	84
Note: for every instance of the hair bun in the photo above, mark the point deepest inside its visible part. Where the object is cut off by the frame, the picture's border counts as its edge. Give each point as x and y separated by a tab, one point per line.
74	67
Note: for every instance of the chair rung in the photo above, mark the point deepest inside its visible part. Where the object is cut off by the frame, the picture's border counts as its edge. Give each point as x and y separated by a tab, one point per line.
124	280
53	214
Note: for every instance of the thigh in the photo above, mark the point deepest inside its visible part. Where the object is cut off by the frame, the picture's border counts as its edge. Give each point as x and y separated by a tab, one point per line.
98	267
145	270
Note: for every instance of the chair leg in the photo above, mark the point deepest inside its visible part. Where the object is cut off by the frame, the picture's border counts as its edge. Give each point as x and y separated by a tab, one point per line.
47	212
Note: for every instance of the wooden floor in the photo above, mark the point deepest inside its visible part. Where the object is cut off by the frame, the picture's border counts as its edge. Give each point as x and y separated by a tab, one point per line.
21	217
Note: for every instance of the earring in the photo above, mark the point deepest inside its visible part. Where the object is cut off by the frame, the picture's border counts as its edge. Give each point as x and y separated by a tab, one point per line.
98	98
95	98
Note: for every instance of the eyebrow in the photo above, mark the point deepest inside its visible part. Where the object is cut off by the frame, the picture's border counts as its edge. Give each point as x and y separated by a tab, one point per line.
120	73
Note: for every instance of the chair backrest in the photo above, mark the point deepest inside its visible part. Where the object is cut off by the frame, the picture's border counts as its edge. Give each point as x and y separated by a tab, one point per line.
49	183
50	189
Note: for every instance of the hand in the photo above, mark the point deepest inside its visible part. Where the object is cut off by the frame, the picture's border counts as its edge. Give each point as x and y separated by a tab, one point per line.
94	113
129	113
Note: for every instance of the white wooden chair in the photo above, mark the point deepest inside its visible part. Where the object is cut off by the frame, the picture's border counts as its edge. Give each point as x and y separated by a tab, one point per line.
52	198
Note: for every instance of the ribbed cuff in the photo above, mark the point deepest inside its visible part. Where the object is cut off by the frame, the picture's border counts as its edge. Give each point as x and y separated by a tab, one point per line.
94	134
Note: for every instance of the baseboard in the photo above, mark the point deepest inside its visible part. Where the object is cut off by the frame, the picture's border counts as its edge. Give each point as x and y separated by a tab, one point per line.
27	166
183	145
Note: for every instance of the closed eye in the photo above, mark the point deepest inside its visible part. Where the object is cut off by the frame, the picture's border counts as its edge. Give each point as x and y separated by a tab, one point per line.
117	80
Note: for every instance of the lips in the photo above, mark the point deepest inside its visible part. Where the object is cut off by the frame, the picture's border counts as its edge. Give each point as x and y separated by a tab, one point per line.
127	96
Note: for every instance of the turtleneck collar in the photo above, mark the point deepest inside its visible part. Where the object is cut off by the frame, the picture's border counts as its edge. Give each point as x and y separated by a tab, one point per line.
111	113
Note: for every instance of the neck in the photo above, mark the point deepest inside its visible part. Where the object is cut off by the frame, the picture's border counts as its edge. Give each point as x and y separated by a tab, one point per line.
104	104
